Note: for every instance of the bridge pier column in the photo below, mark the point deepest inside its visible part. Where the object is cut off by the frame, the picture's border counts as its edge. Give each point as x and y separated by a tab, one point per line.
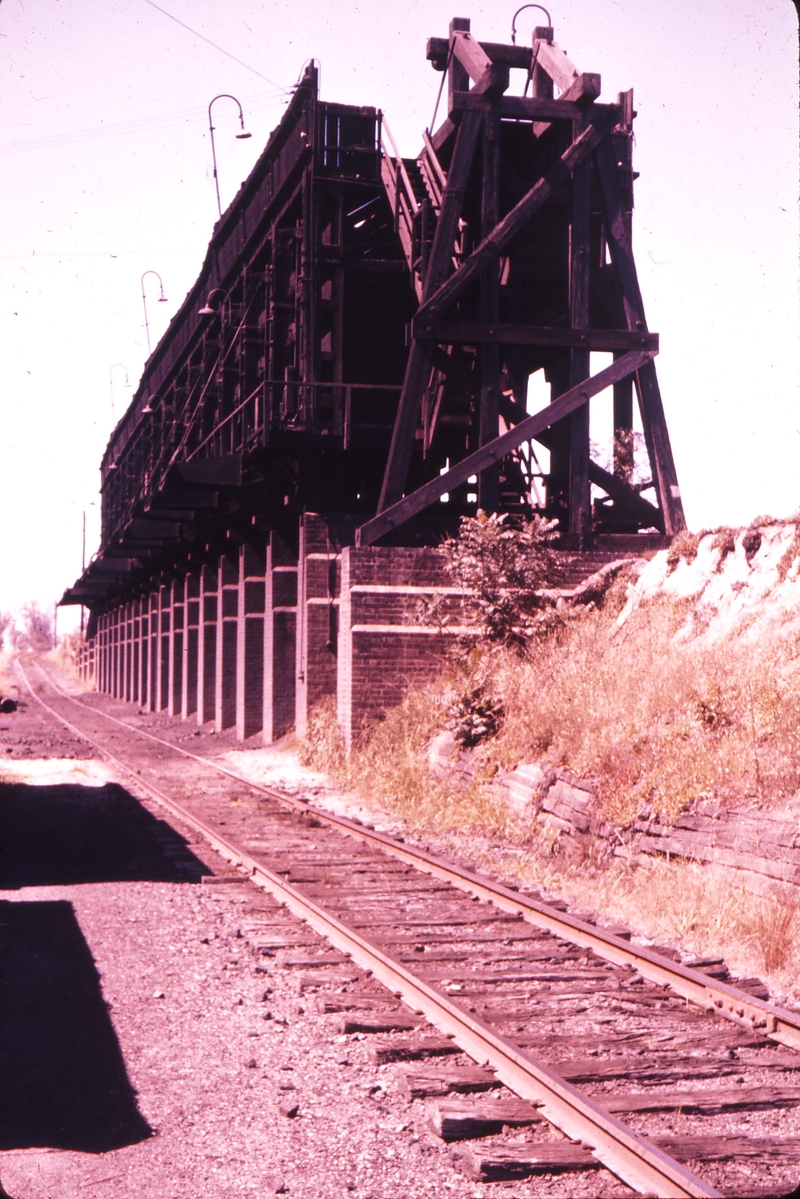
162	648
321	541
280	619
207	646
152	651
250	644
144	656
227	625
176	635
382	651
190	657
113	652
136	647
101	653
119	652
130	642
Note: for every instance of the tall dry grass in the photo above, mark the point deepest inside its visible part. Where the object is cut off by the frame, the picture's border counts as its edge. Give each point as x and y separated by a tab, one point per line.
7	684
656	724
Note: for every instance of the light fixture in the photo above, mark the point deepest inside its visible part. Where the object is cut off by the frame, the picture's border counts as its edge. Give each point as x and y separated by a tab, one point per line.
240	137
208	309
162	299
111	370
516	14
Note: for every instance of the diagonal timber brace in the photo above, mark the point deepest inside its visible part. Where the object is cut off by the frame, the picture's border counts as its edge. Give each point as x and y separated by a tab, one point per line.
439	294
496	450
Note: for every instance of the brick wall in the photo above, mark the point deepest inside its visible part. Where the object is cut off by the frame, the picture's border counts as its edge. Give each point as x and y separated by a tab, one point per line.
383	649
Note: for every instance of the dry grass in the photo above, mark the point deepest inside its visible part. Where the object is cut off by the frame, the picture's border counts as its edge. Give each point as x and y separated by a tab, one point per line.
7	684
658	725
64	657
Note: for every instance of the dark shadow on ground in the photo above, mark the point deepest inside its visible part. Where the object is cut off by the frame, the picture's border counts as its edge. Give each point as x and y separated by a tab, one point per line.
67	834
62	1076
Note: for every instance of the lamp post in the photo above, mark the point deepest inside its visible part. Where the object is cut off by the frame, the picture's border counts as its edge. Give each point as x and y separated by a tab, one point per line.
214	303
111	370
162	299
516	14
241	137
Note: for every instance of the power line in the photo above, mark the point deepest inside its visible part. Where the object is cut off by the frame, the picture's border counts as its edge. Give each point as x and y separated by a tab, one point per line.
214	44
140	125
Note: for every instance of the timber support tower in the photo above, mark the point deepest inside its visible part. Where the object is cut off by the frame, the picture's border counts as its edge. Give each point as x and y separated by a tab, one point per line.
349	376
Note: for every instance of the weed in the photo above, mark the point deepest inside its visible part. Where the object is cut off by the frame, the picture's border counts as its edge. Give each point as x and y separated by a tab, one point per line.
774	925
324	748
474	716
684	548
504	570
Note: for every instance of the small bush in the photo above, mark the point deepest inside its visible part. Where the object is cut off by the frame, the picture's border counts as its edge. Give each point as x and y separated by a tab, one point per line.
474	717
504	567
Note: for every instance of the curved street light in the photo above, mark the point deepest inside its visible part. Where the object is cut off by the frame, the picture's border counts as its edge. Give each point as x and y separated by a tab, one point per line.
516	14
241	137
214	303
162	299
111	370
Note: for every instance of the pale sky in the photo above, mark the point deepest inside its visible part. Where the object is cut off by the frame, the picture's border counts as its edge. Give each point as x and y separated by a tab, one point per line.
106	168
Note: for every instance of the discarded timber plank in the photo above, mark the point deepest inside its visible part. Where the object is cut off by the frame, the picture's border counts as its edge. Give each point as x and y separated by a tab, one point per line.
349	1002
376	1025
384	1052
497	1163
419	1084
459	1120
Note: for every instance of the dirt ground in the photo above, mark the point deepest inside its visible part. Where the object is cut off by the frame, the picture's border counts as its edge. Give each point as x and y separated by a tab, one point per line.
148	1050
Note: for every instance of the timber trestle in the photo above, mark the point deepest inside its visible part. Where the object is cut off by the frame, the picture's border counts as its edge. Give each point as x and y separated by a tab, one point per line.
351	374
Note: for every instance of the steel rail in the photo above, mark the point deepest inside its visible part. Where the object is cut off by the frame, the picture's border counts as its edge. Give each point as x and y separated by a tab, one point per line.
777	1023
632	1158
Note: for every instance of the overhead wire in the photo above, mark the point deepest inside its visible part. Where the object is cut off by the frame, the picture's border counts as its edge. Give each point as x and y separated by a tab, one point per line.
208	40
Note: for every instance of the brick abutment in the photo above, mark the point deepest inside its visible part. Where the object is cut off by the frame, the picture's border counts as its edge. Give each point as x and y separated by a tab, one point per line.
254	639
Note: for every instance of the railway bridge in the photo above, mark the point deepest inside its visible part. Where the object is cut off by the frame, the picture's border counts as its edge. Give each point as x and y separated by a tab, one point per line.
349	376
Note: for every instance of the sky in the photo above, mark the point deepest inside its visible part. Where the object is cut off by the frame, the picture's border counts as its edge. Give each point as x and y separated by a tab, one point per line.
106	174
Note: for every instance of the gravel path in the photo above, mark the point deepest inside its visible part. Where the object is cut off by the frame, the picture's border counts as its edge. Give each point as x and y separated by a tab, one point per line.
148	1049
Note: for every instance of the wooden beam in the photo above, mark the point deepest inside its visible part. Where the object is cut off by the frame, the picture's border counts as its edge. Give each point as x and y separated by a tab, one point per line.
525	108
581	92
418	364
552	59
580	511
488	353
651	407
436	304
475	61
518	57
479	333
495	451
619	491
622	493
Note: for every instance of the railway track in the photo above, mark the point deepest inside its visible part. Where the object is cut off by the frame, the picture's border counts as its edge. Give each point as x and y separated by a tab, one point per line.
680	1083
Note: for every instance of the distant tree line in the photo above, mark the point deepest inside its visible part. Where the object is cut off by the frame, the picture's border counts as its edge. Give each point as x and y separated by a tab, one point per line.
30	629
